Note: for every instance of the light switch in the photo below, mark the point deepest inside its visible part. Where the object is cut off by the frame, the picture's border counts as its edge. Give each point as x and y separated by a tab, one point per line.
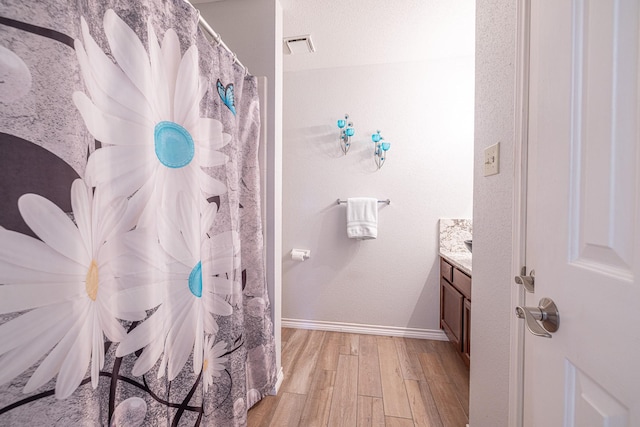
492	160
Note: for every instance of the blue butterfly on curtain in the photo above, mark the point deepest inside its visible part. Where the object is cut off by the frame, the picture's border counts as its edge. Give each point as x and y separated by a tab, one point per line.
226	94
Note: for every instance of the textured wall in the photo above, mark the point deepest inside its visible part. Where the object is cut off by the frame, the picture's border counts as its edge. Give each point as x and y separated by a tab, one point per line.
492	213
425	109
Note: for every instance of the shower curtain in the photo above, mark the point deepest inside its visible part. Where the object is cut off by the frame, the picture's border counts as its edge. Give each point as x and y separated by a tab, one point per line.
132	287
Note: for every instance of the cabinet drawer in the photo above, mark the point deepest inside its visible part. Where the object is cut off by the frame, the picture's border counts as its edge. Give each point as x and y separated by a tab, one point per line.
462	282
446	270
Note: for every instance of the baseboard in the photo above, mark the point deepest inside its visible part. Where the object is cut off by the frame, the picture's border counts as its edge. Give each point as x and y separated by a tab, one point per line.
356	328
278	382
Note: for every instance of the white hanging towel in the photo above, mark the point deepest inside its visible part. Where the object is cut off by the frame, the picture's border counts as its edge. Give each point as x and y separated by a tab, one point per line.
362	218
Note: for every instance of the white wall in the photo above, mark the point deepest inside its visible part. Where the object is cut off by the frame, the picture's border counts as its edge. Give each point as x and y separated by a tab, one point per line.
425	109
253	30
492	213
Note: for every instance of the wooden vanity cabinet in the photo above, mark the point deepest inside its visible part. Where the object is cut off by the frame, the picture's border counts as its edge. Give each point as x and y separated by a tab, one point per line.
455	308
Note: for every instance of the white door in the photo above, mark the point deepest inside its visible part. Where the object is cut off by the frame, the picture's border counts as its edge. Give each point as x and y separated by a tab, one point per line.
583	222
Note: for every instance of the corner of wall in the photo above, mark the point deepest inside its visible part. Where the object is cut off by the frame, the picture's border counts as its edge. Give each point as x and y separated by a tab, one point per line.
276	171
493	213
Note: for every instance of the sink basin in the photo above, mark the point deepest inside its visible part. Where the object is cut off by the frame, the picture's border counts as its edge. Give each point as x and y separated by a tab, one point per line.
467	243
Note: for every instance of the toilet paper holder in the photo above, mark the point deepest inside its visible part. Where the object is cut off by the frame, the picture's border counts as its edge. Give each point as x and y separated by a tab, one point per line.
300	254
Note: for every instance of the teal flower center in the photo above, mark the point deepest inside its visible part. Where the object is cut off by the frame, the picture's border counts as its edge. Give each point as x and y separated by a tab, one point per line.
195	280
174	145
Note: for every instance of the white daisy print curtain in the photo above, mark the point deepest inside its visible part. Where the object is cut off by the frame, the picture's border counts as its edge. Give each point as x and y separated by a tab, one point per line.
132	288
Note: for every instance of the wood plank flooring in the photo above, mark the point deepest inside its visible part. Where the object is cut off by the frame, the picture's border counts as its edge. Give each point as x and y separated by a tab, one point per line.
340	379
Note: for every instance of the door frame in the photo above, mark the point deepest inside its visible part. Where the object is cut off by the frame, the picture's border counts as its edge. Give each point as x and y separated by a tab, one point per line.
519	221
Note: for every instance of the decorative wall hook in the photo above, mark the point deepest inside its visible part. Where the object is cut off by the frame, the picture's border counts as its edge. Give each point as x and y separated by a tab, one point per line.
346	132
379	149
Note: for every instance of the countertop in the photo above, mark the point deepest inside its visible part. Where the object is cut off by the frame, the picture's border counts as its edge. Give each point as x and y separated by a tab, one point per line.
460	260
453	233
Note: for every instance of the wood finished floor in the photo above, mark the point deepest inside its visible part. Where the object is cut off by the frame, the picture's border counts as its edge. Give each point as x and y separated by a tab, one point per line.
342	379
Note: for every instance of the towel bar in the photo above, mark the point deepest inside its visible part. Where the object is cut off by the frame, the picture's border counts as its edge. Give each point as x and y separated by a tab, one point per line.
387	202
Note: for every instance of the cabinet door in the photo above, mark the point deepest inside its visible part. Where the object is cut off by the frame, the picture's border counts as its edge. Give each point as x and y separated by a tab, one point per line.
451	306
466	331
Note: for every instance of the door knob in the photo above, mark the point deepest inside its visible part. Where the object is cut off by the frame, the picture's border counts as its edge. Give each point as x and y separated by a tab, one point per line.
527	281
546	312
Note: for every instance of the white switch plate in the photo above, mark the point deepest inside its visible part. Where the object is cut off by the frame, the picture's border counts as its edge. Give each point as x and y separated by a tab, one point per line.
492	160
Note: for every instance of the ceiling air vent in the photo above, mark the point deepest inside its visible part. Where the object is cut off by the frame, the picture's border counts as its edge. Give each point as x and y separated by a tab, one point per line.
299	44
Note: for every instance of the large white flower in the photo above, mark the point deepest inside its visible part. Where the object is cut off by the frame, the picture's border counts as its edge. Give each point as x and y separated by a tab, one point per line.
214	361
146	111
188	279
65	281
